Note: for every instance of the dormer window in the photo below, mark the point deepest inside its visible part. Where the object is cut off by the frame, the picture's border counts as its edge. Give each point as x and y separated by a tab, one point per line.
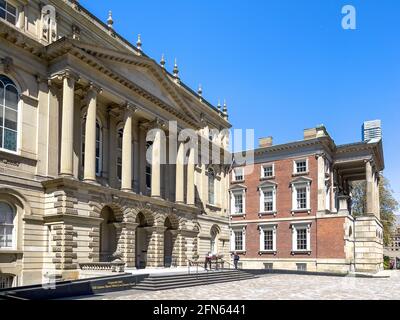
8	12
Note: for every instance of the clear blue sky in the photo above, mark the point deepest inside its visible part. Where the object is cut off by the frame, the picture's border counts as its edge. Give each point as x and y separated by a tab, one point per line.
282	65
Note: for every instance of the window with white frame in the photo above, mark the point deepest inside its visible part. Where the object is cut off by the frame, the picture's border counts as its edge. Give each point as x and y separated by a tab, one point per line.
8	12
267	238
7	228
238	174
301	196
238	203
9	100
267	199
301	166
267	171
301	237
238	239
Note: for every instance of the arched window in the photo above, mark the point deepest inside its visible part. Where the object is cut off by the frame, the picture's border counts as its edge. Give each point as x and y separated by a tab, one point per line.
9	100
214	240
120	133
99	145
211	186
7	216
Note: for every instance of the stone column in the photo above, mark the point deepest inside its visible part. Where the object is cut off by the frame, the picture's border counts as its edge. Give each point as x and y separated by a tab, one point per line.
369	188
112	154
90	135
156	165
126	242
321	182
136	177
190	178
126	179
180	174
67	131
378	201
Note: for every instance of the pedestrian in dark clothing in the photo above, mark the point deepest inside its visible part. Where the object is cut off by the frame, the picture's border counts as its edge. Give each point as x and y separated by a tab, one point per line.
207	260
236	259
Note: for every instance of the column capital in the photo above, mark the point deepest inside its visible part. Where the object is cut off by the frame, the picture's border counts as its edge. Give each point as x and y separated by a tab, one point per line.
68	74
157	123
320	154
94	88
129	108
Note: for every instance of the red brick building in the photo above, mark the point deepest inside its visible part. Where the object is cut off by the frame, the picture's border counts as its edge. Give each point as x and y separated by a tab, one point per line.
290	205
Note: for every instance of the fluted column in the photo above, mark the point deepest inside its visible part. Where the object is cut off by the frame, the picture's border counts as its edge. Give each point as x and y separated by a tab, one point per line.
190	178
156	165
67	130
90	135
180	174
126	181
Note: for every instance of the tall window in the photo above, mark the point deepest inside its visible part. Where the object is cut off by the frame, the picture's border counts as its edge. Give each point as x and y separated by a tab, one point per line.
8	114
7	216
238	240
268	200
8	12
99	146
238	203
301	198
301	239
301	234
268	240
119	153
211	186
148	165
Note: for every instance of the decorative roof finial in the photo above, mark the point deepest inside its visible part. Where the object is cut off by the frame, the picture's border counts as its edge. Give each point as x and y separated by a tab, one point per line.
225	111
200	91
219	106
162	62
139	43
176	70
110	20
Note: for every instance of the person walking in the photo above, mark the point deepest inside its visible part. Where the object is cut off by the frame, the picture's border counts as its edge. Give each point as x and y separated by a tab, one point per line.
236	259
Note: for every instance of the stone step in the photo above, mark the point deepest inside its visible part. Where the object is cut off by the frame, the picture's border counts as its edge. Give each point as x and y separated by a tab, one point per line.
163	282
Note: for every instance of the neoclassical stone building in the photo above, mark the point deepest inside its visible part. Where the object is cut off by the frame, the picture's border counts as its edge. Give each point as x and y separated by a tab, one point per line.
77	104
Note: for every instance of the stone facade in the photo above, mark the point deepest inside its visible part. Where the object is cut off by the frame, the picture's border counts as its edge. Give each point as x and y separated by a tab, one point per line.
74	175
291	206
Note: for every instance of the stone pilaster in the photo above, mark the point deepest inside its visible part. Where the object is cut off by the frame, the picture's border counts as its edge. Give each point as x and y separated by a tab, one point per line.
126	233
190	198
179	181
94	244
64	244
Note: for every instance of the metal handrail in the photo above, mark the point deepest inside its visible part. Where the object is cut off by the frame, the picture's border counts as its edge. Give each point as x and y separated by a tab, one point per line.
229	263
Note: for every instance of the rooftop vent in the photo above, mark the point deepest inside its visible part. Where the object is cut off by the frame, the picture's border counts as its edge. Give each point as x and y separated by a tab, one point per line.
265	142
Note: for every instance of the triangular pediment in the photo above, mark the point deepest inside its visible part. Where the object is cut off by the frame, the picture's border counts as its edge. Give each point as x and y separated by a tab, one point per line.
142	71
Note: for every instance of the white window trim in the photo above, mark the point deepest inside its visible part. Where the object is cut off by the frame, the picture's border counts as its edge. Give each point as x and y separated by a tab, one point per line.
17	13
295	186
262	229
233	206
262	170
234	174
262	190
295	227
295	166
238	228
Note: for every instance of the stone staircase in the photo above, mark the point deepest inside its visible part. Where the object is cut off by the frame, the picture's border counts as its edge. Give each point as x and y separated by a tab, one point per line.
171	281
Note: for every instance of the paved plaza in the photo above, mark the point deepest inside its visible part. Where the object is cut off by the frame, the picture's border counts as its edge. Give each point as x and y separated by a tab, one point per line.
278	287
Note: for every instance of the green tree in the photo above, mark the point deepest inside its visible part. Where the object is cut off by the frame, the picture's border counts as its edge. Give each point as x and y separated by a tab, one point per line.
388	205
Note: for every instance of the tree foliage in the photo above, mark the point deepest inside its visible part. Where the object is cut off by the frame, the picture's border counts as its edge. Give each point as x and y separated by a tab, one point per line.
388	205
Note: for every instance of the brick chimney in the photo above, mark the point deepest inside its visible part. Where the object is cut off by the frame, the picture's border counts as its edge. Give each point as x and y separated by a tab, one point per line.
265	142
317	132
